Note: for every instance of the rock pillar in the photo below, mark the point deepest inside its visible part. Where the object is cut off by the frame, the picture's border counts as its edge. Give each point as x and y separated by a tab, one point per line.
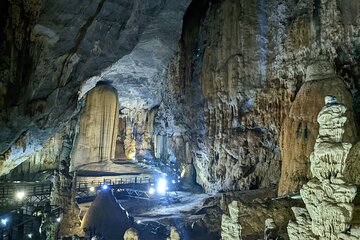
230	224
328	198
97	133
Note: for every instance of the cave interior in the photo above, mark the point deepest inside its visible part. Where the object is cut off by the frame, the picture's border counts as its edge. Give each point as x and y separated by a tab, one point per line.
180	119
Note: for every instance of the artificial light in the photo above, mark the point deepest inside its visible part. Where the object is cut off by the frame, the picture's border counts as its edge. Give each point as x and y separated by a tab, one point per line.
162	186
151	190
20	195
4	221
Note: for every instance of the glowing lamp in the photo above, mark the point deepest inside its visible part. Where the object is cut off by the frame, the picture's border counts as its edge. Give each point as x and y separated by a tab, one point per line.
58	219
4	221
151	190
162	186
105	187
92	189
29	235
20	195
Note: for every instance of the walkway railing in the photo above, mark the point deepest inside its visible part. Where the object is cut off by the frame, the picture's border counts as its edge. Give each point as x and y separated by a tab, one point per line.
37	193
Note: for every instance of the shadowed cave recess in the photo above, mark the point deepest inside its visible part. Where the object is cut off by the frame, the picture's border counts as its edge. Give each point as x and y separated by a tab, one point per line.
179	119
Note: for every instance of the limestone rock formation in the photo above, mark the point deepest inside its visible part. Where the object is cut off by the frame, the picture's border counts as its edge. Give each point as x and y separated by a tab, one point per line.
352	166
271	229
41	160
256	64
328	198
98	127
299	129
302	228
230	224
174	234
131	234
253	212
63	196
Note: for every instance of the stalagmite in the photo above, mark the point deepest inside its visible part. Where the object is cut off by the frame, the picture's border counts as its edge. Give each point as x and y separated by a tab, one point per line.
96	138
271	229
230	224
131	234
174	234
328	198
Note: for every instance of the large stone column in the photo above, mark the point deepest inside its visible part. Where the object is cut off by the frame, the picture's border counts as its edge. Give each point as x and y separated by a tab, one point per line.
327	197
98	124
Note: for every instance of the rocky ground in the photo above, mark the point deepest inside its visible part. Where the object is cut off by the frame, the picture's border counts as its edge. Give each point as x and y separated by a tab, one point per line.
198	215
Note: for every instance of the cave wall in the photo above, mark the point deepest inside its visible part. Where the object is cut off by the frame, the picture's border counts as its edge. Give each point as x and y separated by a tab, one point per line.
232	92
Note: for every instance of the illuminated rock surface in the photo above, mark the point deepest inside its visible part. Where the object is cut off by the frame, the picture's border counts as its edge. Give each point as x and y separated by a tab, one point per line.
131	234
62	49
328	198
230	224
174	235
228	99
299	129
263	69
98	127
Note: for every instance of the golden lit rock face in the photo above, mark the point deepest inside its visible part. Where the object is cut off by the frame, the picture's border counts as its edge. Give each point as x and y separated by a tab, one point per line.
352	166
174	234
131	234
129	142
136	132
299	129
97	134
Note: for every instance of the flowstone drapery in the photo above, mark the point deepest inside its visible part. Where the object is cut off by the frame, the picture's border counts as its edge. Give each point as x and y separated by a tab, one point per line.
328	198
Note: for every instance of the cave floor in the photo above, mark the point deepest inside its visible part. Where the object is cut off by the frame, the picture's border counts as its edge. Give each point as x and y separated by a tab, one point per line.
179	209
174	205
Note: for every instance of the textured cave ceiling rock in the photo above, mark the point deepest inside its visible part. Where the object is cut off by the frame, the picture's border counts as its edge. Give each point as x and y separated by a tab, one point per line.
77	43
137	76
